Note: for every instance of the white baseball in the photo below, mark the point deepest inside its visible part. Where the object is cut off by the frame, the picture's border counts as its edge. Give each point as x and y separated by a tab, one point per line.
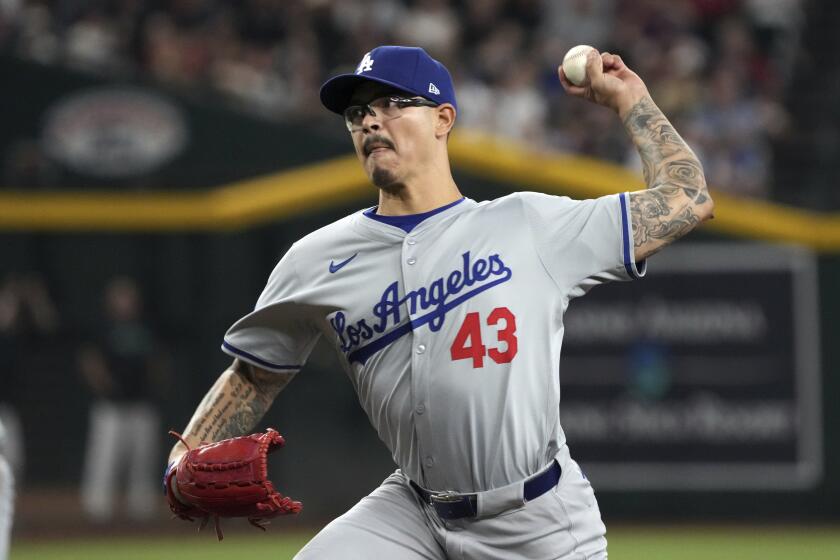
574	64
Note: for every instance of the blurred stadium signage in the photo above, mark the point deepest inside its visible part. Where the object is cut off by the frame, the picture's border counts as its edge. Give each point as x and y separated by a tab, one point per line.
113	132
704	375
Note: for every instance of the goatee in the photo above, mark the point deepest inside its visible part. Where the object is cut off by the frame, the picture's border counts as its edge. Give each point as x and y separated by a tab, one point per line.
384	179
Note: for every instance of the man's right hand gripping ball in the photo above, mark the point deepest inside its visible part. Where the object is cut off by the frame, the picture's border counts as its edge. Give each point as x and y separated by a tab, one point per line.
228	478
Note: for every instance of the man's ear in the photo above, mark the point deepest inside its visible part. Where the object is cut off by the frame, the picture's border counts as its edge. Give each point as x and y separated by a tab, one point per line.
445	119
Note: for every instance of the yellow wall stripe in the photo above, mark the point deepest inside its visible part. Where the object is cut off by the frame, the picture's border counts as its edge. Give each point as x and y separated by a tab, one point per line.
238	205
583	177
340	181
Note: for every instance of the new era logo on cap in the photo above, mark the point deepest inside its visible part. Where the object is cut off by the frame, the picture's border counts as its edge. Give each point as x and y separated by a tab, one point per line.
409	69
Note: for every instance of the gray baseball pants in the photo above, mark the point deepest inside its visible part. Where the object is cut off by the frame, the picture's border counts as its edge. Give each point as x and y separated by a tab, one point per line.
562	524
7	498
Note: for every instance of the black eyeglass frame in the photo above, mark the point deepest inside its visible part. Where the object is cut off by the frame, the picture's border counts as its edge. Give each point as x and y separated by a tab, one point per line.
401	103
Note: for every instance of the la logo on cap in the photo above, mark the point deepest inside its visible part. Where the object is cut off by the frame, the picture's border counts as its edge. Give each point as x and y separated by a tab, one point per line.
365	65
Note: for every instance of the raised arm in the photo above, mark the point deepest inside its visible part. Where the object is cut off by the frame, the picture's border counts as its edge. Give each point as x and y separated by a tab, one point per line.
232	407
676	199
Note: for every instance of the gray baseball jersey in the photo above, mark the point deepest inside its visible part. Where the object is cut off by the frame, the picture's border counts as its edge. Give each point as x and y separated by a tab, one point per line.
451	333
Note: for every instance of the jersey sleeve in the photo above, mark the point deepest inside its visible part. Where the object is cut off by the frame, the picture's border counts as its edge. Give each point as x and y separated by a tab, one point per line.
280	333
583	243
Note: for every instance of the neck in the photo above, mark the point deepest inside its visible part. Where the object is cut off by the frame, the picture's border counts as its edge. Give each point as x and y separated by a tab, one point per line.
433	189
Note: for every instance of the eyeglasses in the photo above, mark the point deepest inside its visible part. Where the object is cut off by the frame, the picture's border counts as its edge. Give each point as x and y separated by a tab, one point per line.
387	107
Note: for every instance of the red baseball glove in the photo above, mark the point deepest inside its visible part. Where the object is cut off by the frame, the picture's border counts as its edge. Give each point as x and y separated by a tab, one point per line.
228	478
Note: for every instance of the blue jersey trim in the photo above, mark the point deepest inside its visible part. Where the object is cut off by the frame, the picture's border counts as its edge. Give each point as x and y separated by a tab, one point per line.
165	476
411	221
625	238
256	359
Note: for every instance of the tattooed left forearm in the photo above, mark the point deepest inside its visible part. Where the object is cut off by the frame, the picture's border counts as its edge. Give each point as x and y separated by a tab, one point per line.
677	198
234	404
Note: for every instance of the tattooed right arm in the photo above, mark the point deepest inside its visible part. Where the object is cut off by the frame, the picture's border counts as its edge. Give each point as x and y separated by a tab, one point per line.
677	199
233	406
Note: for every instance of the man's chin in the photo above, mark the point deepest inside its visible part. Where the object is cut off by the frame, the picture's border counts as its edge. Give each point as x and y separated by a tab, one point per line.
384	179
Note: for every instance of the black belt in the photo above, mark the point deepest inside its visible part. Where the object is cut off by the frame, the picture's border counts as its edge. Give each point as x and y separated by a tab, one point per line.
451	505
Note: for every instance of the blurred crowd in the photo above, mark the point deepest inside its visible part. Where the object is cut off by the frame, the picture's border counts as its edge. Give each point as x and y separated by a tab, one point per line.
717	67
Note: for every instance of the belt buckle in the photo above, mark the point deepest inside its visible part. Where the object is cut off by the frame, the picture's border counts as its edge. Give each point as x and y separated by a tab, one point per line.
445	497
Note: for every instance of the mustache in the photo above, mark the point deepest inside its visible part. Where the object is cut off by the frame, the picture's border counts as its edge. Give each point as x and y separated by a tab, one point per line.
374	140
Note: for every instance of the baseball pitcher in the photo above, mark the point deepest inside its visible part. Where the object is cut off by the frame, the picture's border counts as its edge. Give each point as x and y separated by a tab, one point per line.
448	317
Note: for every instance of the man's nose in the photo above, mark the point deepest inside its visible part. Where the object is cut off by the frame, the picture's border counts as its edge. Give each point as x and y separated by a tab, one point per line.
371	122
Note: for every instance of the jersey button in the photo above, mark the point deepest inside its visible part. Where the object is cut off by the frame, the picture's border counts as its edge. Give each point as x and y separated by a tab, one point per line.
421	408
412	260
411	241
430	462
421	348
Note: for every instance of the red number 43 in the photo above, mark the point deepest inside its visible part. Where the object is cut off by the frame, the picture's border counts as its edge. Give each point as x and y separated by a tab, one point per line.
468	343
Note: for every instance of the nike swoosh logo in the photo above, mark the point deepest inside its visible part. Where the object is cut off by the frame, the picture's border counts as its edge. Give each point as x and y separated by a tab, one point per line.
336	267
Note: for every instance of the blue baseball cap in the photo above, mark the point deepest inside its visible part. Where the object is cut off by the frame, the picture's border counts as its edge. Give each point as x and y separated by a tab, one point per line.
409	69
